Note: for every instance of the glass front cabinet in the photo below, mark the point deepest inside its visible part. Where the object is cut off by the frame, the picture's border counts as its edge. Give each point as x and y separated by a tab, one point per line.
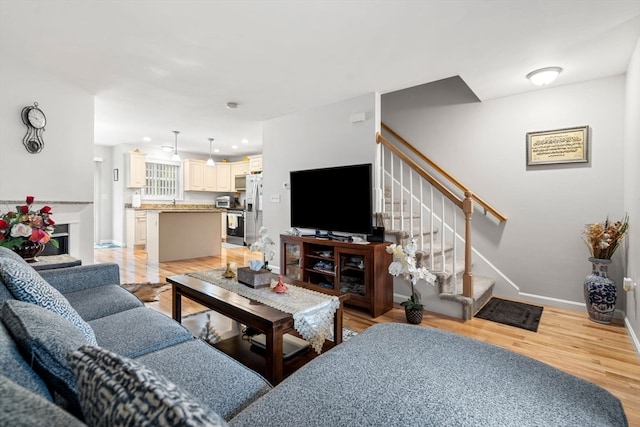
359	270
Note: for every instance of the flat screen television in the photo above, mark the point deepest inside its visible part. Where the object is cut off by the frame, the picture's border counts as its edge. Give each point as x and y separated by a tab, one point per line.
333	199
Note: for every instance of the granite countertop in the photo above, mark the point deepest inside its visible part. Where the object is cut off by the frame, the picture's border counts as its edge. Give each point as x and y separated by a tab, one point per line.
169	207
213	210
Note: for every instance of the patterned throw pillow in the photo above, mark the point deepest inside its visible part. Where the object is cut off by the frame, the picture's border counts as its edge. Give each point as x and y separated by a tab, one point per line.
116	391
8	253
25	284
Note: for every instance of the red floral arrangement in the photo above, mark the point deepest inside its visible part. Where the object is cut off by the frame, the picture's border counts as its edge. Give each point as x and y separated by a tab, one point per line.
26	224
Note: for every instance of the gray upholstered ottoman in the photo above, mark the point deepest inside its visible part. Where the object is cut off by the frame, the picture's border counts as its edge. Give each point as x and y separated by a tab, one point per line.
397	374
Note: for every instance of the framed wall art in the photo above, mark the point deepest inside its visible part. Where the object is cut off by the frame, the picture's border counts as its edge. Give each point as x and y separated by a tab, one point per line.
569	145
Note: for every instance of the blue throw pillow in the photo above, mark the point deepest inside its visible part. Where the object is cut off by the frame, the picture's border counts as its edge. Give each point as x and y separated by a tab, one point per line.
116	391
8	253
20	407
46	338
25	284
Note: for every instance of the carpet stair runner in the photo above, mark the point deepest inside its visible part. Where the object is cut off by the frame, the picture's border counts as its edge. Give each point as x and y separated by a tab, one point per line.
449	283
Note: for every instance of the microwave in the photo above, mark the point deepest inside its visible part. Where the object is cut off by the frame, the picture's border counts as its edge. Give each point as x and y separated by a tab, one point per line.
240	182
223	202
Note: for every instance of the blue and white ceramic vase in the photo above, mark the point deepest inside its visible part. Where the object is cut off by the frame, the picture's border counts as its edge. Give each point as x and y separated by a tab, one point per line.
600	292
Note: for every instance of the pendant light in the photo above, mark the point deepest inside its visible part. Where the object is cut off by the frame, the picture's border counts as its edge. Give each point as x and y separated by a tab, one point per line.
175	152
210	162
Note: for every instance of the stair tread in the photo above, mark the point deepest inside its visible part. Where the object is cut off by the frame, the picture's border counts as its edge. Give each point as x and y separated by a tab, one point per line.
402	218
480	286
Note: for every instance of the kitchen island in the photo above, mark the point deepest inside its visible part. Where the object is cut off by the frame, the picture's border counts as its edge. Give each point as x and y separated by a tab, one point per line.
176	234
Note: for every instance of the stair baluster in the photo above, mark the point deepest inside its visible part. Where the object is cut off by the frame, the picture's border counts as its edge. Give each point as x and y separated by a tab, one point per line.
403	208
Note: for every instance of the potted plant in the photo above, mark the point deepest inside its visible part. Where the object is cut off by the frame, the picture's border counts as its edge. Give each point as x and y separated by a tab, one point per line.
26	230
265	245
404	264
602	239
258	274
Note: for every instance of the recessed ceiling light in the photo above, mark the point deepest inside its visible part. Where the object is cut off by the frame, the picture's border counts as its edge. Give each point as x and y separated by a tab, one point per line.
245	141
232	105
146	139
216	150
235	147
544	76
167	148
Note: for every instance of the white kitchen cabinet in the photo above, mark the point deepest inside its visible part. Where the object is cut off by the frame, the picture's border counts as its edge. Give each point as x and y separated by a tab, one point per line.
223	176
140	228
136	227
238	168
193	175
255	163
137	170
210	178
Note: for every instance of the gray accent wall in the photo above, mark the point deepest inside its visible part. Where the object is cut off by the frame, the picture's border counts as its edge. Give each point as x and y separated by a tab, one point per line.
315	138
539	249
632	192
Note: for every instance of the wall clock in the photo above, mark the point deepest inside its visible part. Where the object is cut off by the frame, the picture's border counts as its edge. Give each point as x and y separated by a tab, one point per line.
35	120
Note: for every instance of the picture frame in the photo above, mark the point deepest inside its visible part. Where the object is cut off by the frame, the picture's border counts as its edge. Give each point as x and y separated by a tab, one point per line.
568	145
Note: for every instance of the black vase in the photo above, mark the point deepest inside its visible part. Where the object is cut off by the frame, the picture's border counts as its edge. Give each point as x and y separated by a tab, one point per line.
413	315
29	250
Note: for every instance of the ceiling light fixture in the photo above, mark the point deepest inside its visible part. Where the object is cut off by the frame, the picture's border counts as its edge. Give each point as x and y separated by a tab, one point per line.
232	105
210	162
175	152
544	76
166	148
245	141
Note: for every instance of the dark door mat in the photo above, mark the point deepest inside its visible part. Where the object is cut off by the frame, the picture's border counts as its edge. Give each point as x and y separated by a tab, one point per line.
512	313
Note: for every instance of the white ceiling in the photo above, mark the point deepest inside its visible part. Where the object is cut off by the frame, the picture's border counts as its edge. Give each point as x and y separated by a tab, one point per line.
161	65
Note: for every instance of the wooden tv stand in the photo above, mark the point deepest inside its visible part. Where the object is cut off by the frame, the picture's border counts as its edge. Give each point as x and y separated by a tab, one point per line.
358	269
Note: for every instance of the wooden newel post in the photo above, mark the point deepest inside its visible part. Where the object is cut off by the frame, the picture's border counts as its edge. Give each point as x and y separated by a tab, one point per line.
467	278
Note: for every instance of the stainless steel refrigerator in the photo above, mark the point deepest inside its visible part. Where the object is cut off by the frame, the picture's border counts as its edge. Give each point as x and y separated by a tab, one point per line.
253	208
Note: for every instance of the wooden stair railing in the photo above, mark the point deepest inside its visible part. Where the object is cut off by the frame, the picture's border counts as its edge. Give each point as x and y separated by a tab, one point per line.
487	207
466	205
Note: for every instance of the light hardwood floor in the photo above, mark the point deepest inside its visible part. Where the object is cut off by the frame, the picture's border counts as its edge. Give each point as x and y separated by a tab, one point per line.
567	340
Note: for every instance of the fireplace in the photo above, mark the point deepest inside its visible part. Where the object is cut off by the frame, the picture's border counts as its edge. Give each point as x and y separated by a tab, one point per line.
61	235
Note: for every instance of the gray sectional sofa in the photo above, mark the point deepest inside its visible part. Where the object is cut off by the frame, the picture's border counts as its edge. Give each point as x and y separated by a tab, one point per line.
90	353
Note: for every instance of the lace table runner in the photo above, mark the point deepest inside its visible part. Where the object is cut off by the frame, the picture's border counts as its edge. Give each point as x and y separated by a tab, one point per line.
312	311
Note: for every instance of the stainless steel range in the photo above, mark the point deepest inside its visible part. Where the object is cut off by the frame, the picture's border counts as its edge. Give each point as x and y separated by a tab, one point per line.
235	226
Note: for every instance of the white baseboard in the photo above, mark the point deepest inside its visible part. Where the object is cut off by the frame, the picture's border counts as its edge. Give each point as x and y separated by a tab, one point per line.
632	335
569	305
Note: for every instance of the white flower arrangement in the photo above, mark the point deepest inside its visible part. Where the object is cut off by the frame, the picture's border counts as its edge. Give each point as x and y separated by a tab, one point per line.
404	264
265	245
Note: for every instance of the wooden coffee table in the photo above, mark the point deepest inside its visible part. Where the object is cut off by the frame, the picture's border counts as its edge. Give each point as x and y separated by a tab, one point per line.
268	320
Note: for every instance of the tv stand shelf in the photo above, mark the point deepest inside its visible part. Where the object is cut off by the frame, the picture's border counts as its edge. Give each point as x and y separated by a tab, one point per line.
359	269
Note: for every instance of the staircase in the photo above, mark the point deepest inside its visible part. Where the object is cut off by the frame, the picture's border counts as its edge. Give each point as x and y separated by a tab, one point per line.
416	205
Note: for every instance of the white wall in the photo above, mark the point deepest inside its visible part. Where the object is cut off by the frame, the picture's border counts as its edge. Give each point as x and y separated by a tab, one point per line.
103	205
632	190
540	247
63	170
320	137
